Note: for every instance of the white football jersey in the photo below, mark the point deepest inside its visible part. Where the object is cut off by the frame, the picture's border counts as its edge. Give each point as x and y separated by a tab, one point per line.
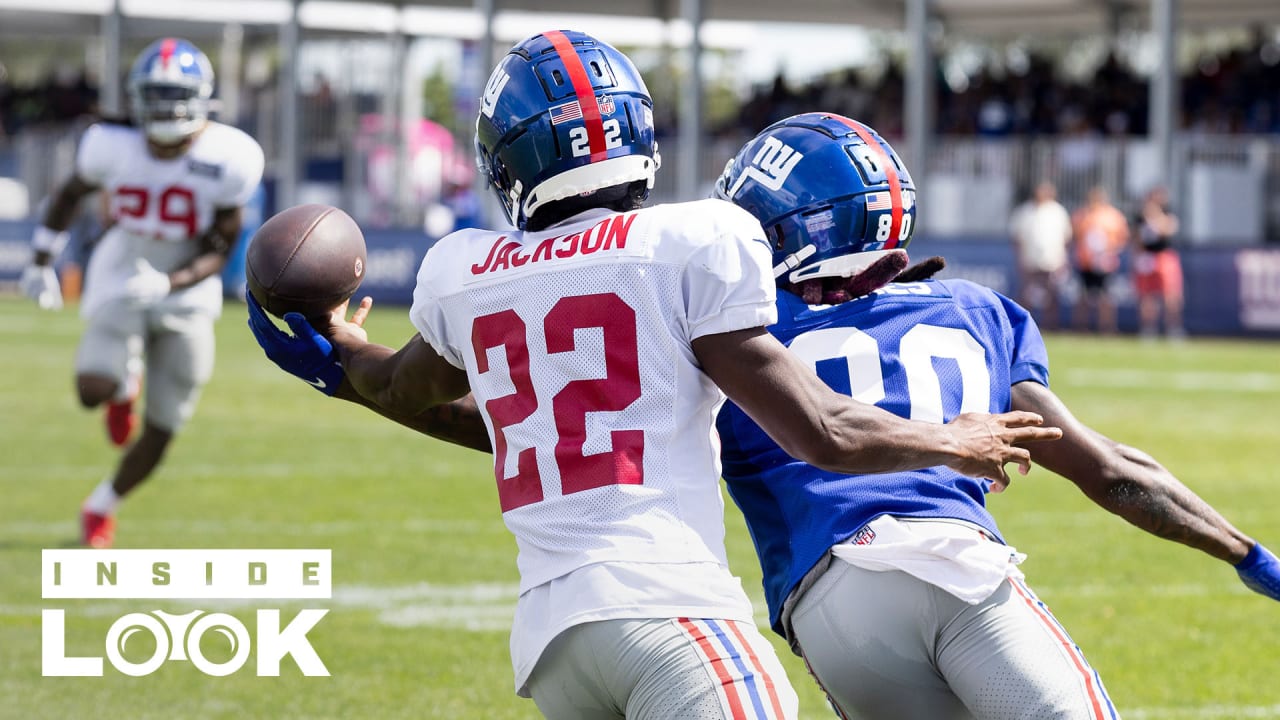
158	208
576	340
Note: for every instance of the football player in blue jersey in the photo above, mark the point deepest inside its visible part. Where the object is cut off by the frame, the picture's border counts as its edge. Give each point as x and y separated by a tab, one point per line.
898	590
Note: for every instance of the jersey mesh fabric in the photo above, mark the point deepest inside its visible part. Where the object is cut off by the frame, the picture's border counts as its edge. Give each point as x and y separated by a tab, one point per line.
795	512
669	509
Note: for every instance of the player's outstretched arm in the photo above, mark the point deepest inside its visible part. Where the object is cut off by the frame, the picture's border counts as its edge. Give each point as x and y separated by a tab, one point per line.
815	424
215	248
308	356
404	382
39	281
1131	484
457	422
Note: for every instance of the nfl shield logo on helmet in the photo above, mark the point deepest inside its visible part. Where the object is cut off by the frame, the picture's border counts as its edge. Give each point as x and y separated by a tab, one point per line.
606	104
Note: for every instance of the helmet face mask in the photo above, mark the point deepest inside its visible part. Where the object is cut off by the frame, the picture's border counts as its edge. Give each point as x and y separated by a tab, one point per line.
170	90
824	188
563	115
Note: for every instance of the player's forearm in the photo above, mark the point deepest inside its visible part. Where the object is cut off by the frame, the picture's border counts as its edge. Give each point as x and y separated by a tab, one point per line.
370	369
1127	481
458	422
51	236
62	208
856	439
1140	490
201	267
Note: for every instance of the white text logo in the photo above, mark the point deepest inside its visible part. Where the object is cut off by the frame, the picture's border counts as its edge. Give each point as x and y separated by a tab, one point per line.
168	637
770	167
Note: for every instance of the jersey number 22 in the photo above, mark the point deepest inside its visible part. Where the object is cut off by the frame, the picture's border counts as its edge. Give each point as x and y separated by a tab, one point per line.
620	386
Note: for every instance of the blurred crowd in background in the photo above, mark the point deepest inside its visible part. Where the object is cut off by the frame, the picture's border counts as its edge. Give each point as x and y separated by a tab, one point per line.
1232	91
1235	91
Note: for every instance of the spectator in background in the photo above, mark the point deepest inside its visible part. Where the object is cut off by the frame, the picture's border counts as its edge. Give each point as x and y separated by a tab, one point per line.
1101	233
1157	270
1041	231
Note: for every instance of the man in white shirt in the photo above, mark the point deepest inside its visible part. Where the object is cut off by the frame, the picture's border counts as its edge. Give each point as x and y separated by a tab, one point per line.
1041	230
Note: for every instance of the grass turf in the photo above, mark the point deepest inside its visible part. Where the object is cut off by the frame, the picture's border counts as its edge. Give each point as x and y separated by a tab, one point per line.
424	570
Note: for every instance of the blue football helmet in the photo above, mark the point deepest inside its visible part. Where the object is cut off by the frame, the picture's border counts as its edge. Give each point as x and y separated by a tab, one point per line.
825	188
170	86
563	115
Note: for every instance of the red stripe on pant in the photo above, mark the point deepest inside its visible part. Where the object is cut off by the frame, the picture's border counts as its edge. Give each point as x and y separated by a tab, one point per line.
1070	647
727	680
759	669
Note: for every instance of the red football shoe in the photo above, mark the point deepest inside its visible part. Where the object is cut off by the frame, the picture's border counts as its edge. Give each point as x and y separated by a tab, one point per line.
96	530
121	421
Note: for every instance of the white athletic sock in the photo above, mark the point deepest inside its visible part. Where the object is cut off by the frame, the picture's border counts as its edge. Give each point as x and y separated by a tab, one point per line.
103	500
127	389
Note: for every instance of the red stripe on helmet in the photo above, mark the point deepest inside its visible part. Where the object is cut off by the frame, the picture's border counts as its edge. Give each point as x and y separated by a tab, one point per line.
586	94
890	173
167	46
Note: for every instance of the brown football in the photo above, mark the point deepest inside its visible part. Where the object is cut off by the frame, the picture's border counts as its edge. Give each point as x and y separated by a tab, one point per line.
307	259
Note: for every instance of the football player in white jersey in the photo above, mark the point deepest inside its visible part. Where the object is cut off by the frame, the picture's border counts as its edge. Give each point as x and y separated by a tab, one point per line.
593	338
175	182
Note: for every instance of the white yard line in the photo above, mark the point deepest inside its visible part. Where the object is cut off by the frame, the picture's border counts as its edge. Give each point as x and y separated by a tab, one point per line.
1183	380
1202	711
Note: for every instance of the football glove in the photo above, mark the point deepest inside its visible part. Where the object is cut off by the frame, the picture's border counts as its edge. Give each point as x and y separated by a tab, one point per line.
1260	572
40	283
148	285
305	354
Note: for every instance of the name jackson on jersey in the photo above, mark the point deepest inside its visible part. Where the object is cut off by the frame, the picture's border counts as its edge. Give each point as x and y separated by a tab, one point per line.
607	234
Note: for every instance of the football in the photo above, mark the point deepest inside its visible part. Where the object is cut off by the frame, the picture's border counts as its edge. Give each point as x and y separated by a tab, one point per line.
307	259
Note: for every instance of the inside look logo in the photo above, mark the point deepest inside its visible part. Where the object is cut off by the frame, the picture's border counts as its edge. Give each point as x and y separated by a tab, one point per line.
138	643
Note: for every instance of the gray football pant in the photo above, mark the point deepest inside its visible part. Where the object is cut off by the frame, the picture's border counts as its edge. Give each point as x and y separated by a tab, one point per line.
662	669
885	645
176	347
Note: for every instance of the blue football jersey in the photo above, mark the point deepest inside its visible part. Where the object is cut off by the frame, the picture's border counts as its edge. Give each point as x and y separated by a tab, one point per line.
926	351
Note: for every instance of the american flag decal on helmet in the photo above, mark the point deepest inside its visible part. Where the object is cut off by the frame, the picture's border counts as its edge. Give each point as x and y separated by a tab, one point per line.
566	112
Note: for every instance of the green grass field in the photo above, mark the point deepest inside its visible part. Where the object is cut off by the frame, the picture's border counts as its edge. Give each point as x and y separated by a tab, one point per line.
424	572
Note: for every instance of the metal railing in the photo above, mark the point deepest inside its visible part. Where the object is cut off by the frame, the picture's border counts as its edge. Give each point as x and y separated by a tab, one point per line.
1226	187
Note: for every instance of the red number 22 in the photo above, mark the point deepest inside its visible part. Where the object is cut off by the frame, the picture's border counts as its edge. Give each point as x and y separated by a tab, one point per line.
617	390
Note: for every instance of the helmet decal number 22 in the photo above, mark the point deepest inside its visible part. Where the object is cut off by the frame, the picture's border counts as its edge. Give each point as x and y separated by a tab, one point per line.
580	144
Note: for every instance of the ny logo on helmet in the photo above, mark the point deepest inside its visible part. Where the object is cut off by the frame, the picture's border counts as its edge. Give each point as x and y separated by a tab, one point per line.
770	167
493	91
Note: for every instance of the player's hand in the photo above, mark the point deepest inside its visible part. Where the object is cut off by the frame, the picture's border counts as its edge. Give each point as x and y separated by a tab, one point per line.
988	442
1260	572
148	285
349	332
305	354
40	283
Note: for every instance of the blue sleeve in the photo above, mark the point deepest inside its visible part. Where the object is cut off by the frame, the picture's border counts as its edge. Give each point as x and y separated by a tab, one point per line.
1028	358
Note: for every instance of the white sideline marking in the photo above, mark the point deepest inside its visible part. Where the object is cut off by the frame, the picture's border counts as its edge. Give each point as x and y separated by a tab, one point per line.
476	607
1190	380
450	526
1204	711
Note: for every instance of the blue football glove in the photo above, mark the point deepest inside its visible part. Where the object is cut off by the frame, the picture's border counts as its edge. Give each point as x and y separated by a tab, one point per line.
305	354
1260	572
